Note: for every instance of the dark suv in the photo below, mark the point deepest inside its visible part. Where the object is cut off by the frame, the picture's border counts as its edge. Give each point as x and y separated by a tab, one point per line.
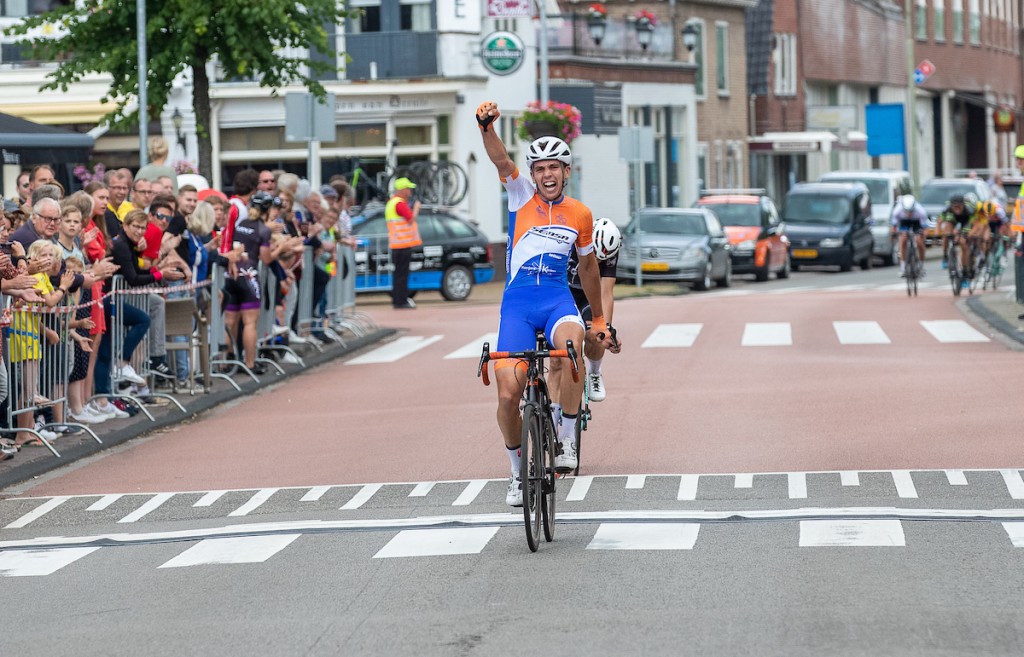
829	224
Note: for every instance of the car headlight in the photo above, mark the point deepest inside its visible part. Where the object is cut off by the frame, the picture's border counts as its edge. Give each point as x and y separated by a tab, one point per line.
693	252
746	245
831	242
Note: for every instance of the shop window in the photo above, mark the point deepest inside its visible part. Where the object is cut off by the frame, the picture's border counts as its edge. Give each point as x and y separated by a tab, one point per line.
358	136
252	139
413	135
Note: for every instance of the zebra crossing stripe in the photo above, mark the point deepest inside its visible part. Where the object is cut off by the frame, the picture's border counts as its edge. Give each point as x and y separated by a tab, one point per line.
767	334
852	533
672	335
239	549
396	350
38	563
437	542
953	330
38	512
860	333
473	349
645	536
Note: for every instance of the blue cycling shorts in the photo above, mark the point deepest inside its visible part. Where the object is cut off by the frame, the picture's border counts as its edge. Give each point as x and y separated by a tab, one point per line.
526	310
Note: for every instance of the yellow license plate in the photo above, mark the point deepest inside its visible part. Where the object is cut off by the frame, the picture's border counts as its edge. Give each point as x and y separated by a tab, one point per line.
654	266
805	253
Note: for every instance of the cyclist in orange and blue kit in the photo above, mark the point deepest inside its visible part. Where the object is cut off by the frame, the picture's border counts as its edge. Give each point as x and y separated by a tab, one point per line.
543	226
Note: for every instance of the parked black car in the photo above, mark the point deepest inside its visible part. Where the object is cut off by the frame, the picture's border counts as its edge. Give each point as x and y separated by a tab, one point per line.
829	224
455	255
677	244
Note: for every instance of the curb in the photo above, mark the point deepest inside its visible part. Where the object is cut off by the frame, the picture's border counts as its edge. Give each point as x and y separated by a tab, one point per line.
46	462
993	319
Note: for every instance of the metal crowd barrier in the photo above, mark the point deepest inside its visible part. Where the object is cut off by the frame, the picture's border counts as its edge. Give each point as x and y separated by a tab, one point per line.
265	334
219	334
39	355
341	296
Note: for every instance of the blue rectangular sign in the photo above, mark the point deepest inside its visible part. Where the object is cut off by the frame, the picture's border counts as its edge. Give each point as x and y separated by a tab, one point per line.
884	123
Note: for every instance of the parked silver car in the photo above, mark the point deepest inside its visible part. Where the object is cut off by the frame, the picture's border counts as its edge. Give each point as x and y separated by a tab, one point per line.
677	244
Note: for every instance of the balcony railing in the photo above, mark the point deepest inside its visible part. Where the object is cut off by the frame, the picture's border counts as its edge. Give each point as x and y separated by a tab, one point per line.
568	35
397	55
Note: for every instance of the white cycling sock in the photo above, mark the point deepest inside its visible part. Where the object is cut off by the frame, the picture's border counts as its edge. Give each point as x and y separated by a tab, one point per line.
594	366
514	459
556	415
567	430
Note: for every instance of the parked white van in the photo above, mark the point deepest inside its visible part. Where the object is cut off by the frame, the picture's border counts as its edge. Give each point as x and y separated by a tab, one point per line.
885	186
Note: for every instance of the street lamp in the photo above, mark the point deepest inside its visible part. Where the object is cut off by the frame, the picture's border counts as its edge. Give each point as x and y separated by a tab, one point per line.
644	32
596	26
690	33
177	120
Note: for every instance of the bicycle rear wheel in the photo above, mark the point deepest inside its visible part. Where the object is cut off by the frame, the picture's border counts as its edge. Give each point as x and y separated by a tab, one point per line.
956	274
531	473
548	496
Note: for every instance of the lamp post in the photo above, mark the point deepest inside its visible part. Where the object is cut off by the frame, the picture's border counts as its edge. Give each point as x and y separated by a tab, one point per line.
644	32
545	93
596	26
689	36
177	120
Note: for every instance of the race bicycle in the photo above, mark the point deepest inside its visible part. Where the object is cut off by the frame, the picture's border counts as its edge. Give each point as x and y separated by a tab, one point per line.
995	263
957	275
539	440
911	269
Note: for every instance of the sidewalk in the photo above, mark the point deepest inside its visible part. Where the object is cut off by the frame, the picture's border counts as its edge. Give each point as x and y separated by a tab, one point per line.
32	462
999	310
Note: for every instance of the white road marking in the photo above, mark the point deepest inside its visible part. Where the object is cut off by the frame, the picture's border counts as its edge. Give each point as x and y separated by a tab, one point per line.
904	484
790	290
688	487
797	484
956	477
104	502
396	350
255	502
37	563
240	549
436	542
953	330
470	492
151	505
645	536
474	348
422	489
1015	530
315	493
38	512
580	488
673	335
635	481
860	333
362	497
744	480
851	533
1014	484
210	498
767	334
849	478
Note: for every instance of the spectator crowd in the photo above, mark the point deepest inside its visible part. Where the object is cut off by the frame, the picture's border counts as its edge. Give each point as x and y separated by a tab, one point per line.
61	253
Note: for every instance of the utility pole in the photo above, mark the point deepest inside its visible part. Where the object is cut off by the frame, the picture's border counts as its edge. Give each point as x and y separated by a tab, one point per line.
911	140
543	53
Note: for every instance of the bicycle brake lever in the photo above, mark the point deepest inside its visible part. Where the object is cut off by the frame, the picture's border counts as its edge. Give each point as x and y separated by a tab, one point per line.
572	360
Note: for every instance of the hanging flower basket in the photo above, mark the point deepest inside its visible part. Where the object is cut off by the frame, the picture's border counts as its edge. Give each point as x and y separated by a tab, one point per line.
645	20
552	120
597	11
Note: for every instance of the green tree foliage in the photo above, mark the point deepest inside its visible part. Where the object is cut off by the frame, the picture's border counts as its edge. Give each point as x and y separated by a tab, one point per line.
246	37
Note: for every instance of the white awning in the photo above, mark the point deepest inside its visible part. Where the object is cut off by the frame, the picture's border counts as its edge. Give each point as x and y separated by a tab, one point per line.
808	141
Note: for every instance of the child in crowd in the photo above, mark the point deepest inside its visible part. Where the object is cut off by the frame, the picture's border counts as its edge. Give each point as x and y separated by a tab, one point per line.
78	331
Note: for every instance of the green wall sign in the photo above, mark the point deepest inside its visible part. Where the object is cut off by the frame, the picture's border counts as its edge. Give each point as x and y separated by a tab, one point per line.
502	53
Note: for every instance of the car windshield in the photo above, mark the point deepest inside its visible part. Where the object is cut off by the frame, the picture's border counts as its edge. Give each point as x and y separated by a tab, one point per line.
671	224
736	214
879	189
816	209
940	194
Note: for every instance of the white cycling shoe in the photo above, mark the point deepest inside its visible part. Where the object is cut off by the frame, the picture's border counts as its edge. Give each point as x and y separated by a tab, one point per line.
595	387
566	460
514	496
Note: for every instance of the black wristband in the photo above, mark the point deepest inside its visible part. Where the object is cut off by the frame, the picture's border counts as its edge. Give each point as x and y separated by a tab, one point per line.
484	123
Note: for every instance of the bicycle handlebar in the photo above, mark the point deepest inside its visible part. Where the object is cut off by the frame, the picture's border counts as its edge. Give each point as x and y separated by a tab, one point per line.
488	355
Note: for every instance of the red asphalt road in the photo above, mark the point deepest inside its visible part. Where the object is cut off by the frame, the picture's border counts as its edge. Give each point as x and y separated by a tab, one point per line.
713	407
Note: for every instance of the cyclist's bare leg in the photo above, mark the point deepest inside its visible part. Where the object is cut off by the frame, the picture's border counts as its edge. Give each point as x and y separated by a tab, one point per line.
569	393
511	382
947	230
903	246
920	245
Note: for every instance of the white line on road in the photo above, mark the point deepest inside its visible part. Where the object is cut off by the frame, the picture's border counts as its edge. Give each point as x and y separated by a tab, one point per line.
953	330
210	498
849	478
37	563
688	487
580	487
956	477
474	348
470	492
362	497
104	502
635	481
422	489
255	502
315	493
767	334
860	333
851	533
393	351
1015	530
744	480
151	505
672	335
241	549
435	542
904	484
38	512
797	482
645	536
1014	484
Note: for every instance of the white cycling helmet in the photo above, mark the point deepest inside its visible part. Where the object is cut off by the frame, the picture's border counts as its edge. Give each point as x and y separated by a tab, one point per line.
907	202
607	238
549	148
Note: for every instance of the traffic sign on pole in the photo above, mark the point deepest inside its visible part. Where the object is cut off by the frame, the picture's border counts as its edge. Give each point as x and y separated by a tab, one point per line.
923	71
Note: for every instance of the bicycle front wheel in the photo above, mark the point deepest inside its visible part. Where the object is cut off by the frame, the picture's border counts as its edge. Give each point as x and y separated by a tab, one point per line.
531	473
548	496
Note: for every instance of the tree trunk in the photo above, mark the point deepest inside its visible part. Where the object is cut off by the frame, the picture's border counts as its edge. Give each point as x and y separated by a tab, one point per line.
201	107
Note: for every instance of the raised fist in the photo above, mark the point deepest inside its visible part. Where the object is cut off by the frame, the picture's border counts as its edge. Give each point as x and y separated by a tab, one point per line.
486	113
